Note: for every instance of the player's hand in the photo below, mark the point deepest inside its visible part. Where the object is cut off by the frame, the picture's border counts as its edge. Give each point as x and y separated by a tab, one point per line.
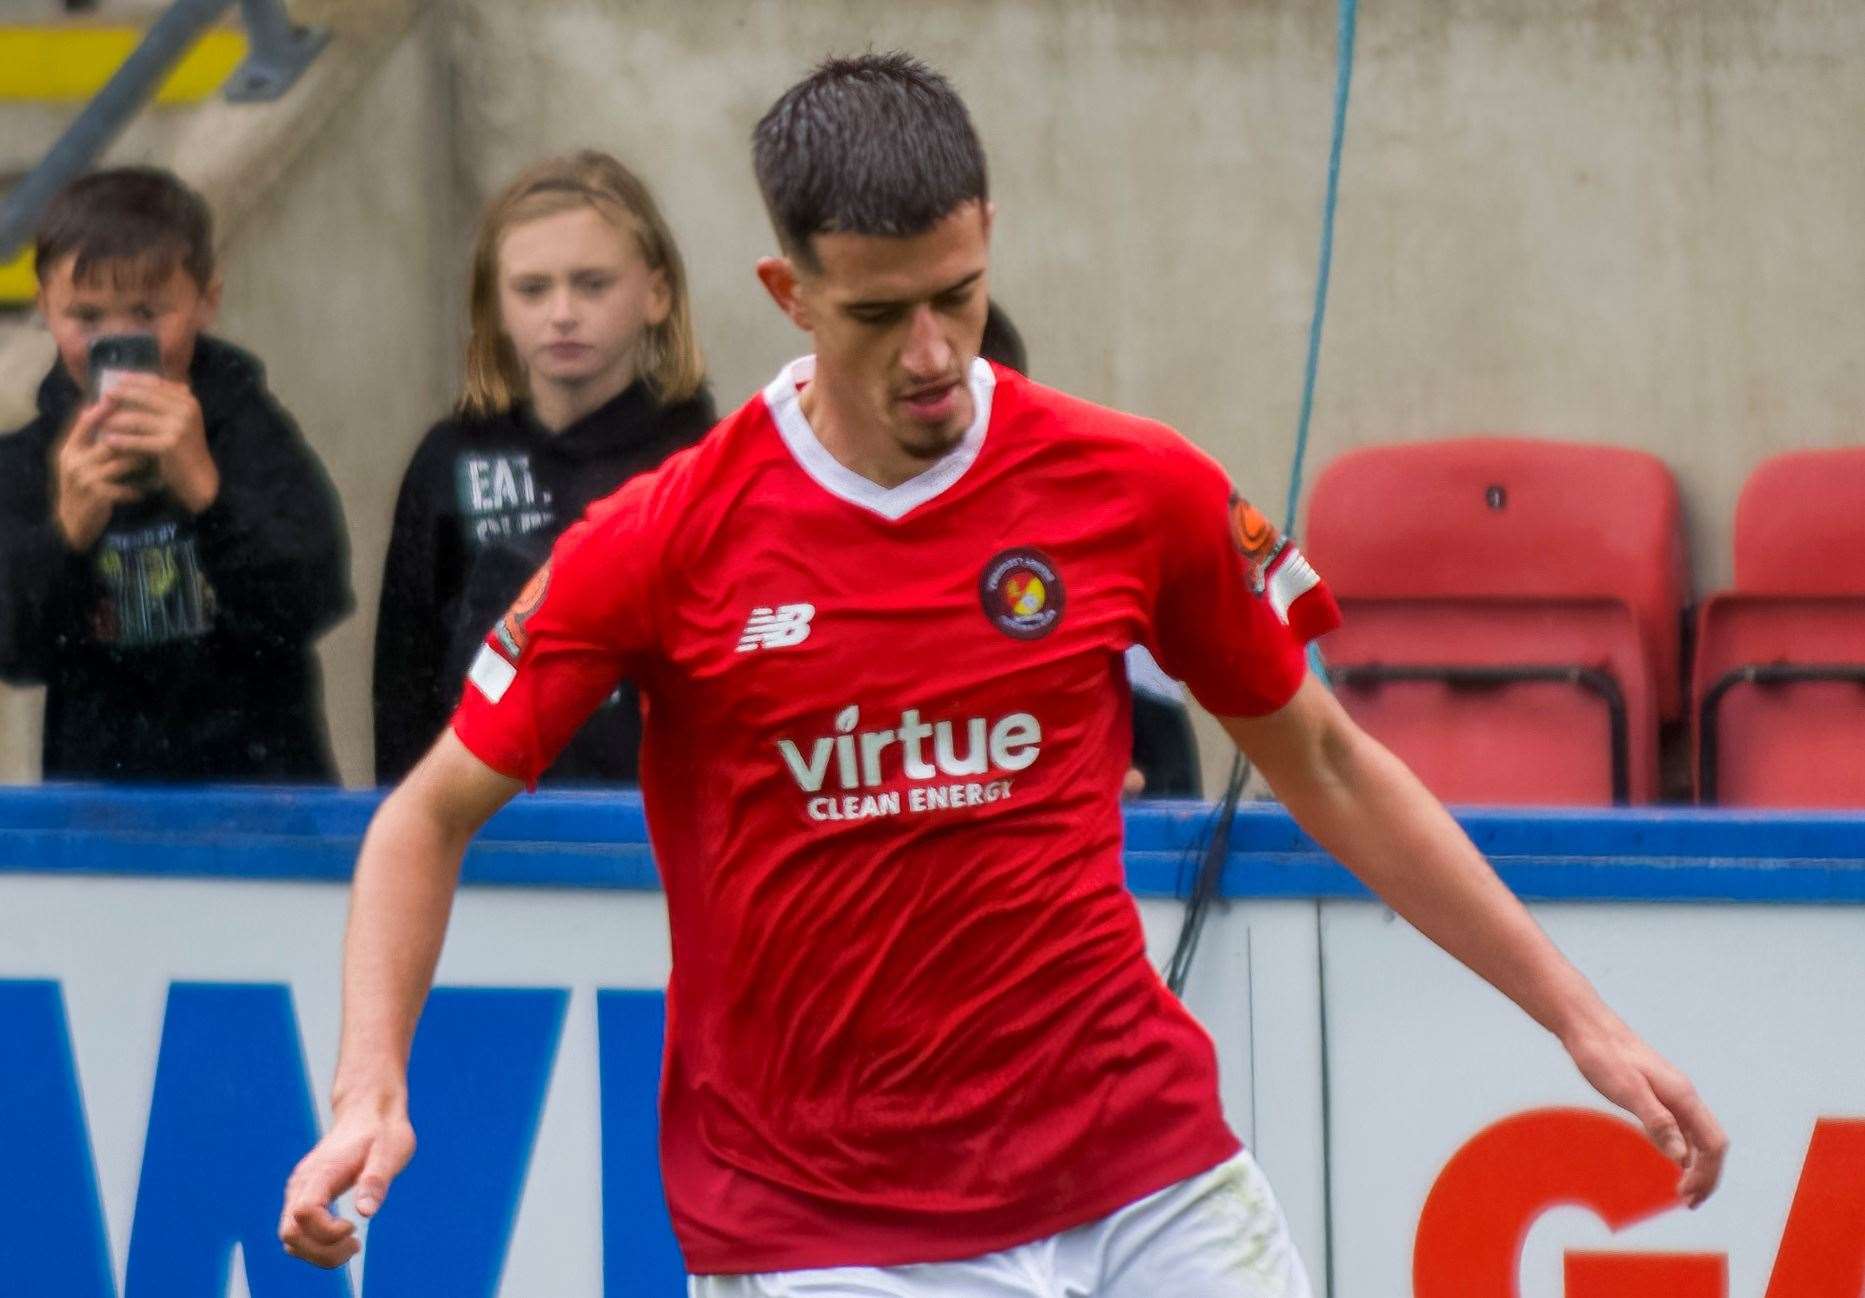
364	1149
160	420
1636	1078
89	475
1134	784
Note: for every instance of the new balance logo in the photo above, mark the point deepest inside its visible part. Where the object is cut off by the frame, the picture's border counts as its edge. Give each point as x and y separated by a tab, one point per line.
776	628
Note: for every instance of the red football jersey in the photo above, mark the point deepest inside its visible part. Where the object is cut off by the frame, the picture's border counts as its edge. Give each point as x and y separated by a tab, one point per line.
910	1016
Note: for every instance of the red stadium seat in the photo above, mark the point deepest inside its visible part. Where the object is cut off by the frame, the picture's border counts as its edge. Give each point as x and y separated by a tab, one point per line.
1511	612
1779	678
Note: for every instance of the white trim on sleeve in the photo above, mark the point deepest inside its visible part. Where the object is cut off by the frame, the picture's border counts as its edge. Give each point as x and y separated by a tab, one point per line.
1293	578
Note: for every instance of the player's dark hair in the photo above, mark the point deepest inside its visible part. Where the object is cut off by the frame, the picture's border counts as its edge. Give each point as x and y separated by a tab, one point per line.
134	222
876	144
1002	343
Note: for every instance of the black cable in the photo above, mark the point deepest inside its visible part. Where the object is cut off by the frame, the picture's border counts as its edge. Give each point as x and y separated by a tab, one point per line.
1205	884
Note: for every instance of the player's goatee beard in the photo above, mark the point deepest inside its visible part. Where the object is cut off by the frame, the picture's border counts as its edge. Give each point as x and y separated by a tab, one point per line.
929	443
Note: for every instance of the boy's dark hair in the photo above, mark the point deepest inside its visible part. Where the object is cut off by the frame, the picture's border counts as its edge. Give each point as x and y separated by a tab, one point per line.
876	144
142	216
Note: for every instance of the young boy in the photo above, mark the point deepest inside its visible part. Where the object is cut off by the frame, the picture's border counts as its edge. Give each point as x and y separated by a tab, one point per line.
170	548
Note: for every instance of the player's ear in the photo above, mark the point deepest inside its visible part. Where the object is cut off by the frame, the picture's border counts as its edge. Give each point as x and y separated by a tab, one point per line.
780	280
990	216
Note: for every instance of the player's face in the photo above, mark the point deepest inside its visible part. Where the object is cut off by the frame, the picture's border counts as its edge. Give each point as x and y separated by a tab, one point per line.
896	323
575	298
120	297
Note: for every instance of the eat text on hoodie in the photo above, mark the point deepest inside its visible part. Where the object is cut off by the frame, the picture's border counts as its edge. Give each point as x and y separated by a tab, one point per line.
481	502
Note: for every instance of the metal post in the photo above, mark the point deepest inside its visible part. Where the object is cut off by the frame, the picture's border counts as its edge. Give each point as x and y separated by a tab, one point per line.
121	99
277	52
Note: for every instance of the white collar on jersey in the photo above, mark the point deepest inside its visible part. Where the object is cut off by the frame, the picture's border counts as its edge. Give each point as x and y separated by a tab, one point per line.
836	478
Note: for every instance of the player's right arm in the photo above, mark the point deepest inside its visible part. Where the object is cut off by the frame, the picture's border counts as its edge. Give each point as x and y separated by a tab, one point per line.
402	895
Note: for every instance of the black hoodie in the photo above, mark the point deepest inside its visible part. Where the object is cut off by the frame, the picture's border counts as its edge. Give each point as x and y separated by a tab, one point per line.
481	502
179	646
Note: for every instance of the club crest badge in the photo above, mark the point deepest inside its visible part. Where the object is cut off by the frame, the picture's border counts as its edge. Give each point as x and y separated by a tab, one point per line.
510	632
1022	593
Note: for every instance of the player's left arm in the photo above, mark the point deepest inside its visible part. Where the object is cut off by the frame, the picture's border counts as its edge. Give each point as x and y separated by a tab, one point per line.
1366	808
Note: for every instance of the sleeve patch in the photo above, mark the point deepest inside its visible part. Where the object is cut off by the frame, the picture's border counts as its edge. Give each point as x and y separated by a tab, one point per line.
491	674
1254	534
510	633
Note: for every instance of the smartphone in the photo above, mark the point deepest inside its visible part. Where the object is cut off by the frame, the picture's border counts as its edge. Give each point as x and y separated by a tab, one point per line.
112	355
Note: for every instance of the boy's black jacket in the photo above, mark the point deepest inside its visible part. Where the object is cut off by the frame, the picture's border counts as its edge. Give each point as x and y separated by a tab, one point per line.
481	502
180	646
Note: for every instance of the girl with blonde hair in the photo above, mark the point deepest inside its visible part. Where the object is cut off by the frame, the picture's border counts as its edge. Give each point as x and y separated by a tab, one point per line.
582	370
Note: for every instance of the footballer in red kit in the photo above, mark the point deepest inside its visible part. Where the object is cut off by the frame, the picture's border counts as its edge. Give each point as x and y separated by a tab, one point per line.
881	764
877	618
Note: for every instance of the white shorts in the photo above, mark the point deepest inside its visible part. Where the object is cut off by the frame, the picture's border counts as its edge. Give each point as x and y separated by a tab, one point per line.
1219	1234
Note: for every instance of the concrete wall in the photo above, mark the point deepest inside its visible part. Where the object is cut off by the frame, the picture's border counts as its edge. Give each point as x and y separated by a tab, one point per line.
1626	222
1634	223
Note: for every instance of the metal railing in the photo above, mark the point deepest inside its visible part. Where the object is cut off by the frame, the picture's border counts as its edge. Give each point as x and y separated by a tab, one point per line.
277	54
